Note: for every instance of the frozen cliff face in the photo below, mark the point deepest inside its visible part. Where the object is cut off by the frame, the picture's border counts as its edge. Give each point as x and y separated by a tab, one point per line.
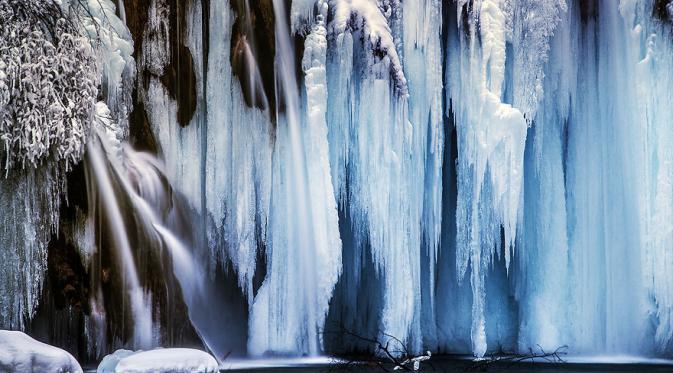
48	86
238	157
650	58
379	155
494	258
113	46
614	187
466	176
30	204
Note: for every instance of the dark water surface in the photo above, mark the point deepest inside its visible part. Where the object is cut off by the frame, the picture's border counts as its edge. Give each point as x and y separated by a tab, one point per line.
449	365
462	368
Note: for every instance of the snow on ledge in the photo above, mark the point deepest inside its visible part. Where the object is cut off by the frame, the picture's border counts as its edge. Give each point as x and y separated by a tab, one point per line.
160	360
365	15
20	353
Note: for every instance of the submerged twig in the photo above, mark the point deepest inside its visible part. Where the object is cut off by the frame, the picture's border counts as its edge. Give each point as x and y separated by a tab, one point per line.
388	353
511	359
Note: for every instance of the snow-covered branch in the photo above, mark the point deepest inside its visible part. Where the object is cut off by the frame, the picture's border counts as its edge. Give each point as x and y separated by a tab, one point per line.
511	358
389	352
48	85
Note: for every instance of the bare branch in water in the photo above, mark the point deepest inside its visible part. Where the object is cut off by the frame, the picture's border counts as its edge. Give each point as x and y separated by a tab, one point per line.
509	359
389	354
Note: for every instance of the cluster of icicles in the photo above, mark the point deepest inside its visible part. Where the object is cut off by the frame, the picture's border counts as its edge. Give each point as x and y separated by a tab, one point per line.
465	176
544	219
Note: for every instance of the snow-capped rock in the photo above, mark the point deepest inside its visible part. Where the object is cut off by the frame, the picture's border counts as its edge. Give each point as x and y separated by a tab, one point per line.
22	354
109	362
160	360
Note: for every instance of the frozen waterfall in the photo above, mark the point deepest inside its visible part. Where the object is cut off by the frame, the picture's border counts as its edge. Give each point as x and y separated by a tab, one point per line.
467	176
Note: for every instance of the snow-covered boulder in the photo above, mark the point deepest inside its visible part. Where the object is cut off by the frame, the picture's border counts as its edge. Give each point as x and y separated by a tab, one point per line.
161	360
22	354
109	362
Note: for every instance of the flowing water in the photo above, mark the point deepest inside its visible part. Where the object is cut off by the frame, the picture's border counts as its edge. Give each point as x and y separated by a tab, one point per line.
101	180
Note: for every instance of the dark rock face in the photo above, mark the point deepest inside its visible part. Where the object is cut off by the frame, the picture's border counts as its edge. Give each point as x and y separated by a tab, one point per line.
139	125
253	49
67	275
588	10
60	316
660	10
136	18
179	77
76	194
140	131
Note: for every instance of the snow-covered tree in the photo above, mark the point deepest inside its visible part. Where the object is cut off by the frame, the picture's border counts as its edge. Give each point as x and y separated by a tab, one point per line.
48	86
48	89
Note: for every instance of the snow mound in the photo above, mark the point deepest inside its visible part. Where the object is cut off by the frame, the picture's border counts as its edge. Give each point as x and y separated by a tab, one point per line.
110	362
173	360
20	353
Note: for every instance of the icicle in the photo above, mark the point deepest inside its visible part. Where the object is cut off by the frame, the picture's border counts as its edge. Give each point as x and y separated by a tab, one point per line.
491	137
542	265
492	133
380	157
422	28
324	214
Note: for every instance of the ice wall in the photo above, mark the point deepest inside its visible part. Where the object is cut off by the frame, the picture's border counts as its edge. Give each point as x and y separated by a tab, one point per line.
467	176
491	139
614	184
488	246
24	244
650	58
596	88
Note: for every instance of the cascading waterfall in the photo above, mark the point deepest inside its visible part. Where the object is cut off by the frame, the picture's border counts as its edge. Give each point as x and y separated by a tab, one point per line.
117	172
102	184
304	248
466	176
